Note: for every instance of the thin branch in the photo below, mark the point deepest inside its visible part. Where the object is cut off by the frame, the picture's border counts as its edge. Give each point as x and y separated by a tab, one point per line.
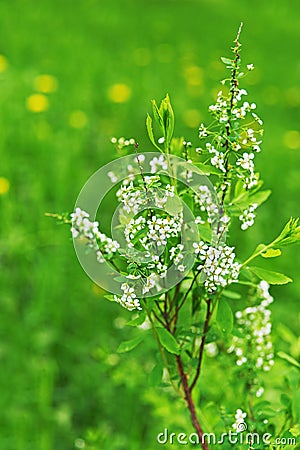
190	403
201	348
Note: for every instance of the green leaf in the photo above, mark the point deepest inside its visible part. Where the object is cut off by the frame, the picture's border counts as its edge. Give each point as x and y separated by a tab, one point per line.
205	232
289	359
127	346
271	253
224	317
260	197
232	295
227	61
168	118
295	430
296	406
206	169
155	376
150	131
188	200
157	116
260	248
139	320
270	276
168	341
110	297
173	205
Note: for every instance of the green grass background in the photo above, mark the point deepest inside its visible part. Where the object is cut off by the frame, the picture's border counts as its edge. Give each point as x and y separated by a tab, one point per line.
61	379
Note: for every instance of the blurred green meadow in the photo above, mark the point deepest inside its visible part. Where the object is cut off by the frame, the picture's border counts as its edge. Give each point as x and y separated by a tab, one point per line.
72	75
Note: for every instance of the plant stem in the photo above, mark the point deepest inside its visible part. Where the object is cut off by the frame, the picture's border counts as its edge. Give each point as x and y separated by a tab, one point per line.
201	348
190	403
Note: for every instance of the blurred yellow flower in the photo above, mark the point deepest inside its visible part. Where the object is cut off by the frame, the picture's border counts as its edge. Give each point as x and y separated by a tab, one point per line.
119	93
3	63
292	139
45	83
4	185
78	119
37	103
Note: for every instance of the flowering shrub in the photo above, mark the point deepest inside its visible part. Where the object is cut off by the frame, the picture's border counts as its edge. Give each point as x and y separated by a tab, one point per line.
168	259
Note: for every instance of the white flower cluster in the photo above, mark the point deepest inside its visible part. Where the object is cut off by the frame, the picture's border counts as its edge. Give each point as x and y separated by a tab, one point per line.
248	216
217	264
218	160
158	163
128	300
176	255
229	111
161	229
246	162
239	425
205	201
82	227
134	198
255	348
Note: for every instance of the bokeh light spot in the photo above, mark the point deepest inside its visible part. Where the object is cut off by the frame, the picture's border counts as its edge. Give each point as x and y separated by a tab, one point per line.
78	119
293	96
4	185
119	93
3	63
192	118
193	75
292	139
271	95
164	53
142	56
45	83
37	103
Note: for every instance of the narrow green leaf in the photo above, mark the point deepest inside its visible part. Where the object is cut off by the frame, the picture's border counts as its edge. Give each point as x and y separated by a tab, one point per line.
109	297
232	295
168	341
127	346
155	376
150	131
270	276
224	317
260	248
139	320
227	61
207	169
168	119
289	359
271	253
157	116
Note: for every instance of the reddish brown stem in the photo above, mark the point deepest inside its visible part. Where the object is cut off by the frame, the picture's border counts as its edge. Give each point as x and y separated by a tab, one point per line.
190	403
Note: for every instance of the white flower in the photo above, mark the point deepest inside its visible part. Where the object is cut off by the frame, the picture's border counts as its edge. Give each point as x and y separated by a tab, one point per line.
254	322
239	424
218	161
155	163
128	300
248	216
